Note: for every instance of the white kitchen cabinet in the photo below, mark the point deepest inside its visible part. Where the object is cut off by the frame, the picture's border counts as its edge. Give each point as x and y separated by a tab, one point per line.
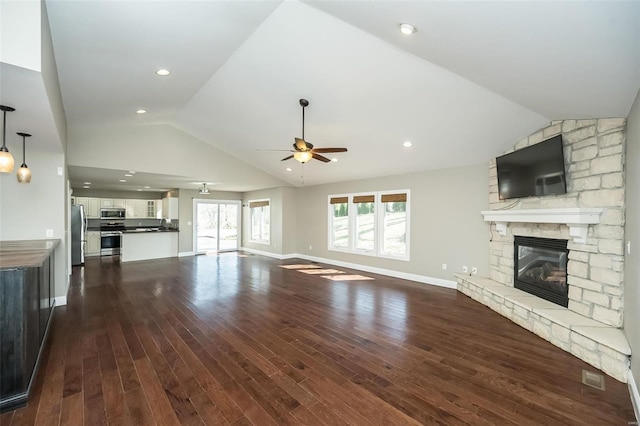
112	203
91	206
170	208
92	247
136	209
151	209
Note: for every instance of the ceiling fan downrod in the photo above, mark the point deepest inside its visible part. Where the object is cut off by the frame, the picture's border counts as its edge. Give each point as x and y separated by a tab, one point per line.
304	103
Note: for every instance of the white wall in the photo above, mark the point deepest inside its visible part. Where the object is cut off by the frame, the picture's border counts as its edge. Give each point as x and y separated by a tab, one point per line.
20	33
28	210
446	225
632	234
162	149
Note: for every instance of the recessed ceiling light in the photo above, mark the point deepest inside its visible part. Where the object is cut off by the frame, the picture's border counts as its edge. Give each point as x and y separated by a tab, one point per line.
87	183
147	187
141	111
123	180
86	186
163	72
128	175
288	169
138	189
407	144
407	29
334	159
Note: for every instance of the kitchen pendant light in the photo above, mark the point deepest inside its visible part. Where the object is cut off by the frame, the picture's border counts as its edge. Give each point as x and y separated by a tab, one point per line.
24	174
6	159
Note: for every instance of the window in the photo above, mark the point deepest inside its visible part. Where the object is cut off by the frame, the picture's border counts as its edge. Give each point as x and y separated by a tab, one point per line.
365	222
375	224
260	221
339	226
394	225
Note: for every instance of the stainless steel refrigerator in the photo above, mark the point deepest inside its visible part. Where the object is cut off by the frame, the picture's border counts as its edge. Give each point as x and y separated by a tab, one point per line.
78	233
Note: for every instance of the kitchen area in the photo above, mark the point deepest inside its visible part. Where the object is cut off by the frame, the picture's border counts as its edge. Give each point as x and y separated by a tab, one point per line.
130	228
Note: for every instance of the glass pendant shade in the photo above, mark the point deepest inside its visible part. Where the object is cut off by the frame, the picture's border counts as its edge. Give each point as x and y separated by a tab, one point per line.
303	156
24	174
6	159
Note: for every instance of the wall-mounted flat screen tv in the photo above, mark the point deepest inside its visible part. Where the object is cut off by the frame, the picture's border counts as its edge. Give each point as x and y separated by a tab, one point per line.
536	170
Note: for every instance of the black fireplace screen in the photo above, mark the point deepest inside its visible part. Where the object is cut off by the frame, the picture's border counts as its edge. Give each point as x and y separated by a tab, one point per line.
540	268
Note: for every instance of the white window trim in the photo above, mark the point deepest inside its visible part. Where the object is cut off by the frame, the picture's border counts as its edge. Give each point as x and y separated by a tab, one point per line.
259	241
378	229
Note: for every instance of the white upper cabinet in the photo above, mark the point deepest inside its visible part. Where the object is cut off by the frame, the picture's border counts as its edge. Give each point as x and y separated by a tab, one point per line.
170	208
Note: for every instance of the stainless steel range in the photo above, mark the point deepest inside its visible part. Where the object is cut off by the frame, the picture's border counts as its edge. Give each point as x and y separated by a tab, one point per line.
111	238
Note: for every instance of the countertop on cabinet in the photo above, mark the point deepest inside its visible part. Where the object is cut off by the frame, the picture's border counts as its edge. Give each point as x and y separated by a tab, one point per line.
148	230
25	253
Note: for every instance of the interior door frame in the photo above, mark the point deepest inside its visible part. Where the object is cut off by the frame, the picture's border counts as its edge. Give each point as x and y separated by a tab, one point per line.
238	203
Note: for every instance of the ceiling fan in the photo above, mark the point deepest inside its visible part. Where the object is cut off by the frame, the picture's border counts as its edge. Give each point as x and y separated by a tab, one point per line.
304	151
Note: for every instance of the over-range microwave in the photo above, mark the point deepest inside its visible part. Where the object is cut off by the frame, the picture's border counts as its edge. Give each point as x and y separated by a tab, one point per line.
113	213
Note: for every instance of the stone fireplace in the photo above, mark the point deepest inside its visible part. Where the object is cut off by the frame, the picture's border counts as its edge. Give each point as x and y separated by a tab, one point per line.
590	218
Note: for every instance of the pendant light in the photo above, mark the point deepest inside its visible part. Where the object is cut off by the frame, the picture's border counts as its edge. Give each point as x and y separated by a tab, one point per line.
6	159
24	174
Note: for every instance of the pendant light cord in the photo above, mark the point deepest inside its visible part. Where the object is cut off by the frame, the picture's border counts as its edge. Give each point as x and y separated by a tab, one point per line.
4	129
24	152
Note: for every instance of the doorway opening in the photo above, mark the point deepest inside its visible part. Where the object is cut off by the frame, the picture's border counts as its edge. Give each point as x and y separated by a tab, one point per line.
216	226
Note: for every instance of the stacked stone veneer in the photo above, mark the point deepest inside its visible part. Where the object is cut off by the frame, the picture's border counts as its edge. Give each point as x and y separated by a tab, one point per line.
594	153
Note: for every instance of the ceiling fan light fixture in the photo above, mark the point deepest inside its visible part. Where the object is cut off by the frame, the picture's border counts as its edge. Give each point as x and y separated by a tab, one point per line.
303	156
407	29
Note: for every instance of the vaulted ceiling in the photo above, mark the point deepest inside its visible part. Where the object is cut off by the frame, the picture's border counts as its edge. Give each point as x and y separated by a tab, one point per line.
474	79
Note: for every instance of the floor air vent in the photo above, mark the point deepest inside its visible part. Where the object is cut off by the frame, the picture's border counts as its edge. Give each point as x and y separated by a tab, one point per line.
593	379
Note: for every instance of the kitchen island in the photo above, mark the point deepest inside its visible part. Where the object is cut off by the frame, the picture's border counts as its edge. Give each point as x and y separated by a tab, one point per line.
26	304
148	243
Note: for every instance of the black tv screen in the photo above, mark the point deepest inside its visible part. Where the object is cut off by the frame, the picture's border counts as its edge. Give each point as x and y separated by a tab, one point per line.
532	171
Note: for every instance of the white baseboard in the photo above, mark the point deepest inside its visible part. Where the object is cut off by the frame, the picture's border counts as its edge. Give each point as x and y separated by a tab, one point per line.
60	300
388	272
635	395
186	253
268	254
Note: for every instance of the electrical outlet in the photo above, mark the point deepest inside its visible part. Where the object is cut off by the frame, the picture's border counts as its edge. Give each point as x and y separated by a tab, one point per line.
444	266
628	247
188	223
49	233
474	270
465	269
310	248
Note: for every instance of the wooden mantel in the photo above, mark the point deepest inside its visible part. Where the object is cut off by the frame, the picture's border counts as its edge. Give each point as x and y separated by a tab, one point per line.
577	219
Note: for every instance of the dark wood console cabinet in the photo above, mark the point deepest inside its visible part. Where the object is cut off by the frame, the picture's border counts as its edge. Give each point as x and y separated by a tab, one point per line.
26	305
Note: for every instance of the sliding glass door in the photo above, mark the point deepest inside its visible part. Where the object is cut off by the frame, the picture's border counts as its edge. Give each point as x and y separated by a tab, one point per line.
216	224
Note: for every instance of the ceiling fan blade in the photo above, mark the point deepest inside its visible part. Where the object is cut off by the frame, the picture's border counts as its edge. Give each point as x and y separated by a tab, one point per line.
287	158
325	150
320	157
300	145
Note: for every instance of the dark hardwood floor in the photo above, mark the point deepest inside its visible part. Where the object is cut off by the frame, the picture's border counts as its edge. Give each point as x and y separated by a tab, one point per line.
240	340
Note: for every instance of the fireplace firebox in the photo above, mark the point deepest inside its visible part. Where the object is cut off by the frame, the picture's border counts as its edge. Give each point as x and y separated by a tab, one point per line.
540	268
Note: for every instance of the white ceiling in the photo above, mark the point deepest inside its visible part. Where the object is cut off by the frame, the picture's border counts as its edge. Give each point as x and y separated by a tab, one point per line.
474	79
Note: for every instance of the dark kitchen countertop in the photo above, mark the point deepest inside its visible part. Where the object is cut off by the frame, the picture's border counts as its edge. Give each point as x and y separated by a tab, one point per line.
142	230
